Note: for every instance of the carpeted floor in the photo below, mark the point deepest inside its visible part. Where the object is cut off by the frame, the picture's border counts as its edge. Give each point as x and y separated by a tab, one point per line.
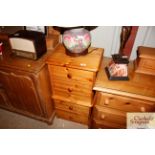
10	120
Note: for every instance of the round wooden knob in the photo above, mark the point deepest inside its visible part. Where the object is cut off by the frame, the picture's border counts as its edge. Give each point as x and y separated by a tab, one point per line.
70	90
142	109
69	75
106	101
70	108
102	116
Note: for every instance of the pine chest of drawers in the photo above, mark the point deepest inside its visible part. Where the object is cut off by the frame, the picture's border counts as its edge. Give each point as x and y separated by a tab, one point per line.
72	80
114	99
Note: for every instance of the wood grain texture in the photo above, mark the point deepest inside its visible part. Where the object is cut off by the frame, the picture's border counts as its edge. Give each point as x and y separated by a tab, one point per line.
95	124
4	100
89	62
72	107
139	86
145	63
72	80
109	115
72	117
114	99
71	83
25	86
124	103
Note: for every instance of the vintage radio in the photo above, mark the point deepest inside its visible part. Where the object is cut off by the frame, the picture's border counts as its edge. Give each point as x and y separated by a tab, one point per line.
28	44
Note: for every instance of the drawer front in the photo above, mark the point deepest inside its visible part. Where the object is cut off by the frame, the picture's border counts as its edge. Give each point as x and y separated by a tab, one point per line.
109	115
72	107
74	83
124	103
72	117
106	125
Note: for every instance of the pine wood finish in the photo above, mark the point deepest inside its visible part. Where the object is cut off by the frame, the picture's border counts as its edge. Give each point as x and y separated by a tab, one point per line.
113	99
72	80
145	62
25	87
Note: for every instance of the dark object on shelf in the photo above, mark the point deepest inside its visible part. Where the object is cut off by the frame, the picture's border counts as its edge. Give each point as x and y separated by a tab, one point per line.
42	29
118	68
117	58
125	34
28	44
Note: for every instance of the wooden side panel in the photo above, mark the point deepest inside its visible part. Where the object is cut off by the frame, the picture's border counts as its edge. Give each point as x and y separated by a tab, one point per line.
44	91
21	92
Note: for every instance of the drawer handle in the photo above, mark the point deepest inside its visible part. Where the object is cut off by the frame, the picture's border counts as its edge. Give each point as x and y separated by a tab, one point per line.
69	75
70	118
102	116
142	109
70	90
70	108
106	102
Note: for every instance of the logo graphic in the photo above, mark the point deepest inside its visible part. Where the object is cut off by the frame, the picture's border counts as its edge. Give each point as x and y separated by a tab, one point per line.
141	120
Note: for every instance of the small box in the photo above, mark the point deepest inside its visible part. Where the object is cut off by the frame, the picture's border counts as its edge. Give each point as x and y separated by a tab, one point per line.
28	44
118	68
145	62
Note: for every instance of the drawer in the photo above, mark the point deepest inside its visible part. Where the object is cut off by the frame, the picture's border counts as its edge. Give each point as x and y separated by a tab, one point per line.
69	82
72	107
72	117
109	115
106	125
123	103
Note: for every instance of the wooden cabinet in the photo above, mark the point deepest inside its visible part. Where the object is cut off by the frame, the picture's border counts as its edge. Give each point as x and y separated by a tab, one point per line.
25	87
114	99
4	101
72	80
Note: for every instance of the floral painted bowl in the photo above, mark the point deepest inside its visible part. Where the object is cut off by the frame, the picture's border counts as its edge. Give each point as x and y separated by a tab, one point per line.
76	40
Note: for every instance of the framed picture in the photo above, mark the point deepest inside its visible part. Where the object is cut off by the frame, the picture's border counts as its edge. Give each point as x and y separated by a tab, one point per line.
42	29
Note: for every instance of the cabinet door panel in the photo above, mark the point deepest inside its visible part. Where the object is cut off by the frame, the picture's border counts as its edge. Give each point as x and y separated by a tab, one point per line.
21	92
3	98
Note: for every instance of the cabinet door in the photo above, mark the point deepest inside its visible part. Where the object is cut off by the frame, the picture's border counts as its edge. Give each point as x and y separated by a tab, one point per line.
3	98
21	92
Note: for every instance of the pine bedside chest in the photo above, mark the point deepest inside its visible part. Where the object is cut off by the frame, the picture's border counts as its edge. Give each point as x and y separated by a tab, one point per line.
114	99
72	80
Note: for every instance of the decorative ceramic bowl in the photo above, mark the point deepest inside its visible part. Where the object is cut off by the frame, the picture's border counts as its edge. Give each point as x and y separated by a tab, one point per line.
76	41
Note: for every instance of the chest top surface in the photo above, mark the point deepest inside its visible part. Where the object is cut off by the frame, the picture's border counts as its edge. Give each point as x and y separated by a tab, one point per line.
10	61
89	62
139	85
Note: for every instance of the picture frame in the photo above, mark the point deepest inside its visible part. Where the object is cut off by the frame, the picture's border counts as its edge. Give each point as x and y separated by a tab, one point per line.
42	29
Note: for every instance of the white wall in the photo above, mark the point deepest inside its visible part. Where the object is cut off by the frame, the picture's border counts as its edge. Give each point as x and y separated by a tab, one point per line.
145	37
106	37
